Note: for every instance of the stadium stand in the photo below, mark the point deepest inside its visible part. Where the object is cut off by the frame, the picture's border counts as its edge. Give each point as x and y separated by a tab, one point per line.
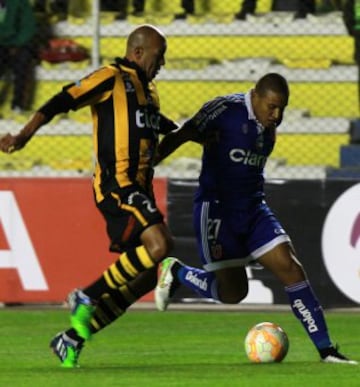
210	54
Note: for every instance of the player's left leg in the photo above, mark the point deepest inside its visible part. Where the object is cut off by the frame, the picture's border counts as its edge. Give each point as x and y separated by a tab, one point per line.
137	232
220	249
67	345
229	286
282	262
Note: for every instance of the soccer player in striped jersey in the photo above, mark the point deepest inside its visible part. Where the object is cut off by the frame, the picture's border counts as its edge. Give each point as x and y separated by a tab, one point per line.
126	126
233	224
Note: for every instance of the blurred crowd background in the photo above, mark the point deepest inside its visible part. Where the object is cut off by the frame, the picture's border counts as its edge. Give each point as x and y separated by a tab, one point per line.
214	47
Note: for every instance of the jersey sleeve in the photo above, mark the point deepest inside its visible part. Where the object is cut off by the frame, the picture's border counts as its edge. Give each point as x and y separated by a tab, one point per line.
94	88
206	117
167	125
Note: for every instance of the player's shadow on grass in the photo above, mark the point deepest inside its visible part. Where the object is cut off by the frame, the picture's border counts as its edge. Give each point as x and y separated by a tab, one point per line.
287	366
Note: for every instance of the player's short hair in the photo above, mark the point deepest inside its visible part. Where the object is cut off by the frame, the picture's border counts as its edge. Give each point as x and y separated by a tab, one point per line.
272	82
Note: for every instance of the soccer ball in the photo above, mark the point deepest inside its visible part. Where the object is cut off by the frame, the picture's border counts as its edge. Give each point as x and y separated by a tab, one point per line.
266	342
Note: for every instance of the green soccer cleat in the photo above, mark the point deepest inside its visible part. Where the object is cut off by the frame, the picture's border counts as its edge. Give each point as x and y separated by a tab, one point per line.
66	349
82	310
167	283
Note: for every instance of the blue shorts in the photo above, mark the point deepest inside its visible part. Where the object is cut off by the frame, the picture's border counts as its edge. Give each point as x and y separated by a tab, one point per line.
235	237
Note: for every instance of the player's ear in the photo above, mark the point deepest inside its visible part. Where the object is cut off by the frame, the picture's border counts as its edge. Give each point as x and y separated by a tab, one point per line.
138	52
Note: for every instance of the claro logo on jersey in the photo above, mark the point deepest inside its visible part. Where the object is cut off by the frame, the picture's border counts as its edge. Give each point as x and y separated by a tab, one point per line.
341	243
247	157
145	119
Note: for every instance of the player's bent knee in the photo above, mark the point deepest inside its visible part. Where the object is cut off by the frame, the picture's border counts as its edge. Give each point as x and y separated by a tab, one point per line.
158	242
159	251
233	297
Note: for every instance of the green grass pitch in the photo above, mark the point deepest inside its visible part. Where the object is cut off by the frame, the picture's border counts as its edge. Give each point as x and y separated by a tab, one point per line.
176	348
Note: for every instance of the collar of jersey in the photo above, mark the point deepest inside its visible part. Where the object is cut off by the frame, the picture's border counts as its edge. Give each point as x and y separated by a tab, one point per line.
251	114
132	65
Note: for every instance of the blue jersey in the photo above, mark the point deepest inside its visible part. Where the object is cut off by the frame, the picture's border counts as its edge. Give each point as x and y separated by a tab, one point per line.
236	148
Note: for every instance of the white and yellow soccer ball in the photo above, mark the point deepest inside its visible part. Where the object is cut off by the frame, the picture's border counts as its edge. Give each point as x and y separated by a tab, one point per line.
266	342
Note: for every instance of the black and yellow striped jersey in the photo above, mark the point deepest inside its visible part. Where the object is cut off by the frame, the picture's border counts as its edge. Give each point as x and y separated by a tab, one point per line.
126	124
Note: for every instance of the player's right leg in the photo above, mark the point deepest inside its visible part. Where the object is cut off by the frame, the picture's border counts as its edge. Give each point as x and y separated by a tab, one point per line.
280	259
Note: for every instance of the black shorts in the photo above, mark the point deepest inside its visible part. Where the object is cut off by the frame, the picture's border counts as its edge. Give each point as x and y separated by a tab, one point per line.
128	212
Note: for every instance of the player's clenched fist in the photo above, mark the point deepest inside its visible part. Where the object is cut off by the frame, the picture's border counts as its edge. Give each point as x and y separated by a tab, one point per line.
10	143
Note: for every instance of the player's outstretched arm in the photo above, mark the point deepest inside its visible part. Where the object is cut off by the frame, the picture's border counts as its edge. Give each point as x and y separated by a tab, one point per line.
10	143
175	139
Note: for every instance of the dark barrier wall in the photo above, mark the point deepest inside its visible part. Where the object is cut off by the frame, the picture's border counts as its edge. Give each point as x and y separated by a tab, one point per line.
302	206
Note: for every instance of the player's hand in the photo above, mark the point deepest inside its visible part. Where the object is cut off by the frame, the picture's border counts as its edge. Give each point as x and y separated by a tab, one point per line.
11	143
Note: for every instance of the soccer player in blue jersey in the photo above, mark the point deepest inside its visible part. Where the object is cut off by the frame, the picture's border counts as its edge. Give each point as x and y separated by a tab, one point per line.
234	226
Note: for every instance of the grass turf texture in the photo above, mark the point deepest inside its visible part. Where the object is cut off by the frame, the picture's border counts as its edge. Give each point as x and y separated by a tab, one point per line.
149	348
